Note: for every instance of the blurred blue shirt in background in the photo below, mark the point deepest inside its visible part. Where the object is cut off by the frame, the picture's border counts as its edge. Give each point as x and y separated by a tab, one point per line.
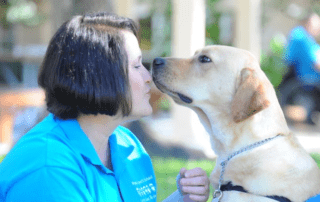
301	53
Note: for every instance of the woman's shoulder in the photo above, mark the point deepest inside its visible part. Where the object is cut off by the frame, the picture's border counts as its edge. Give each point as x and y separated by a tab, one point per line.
44	145
46	137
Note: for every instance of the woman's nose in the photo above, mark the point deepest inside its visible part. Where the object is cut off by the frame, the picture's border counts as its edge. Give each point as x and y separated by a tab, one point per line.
147	76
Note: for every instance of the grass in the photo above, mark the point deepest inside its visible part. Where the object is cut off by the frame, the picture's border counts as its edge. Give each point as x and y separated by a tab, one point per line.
167	169
316	157
1	158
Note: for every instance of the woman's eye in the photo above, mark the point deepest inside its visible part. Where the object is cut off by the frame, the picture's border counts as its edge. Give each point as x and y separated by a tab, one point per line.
204	59
137	67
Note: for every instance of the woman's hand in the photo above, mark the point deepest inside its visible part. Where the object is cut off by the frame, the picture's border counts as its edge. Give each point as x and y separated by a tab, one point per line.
195	183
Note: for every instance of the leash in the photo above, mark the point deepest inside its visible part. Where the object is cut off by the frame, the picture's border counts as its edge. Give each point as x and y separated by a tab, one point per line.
218	193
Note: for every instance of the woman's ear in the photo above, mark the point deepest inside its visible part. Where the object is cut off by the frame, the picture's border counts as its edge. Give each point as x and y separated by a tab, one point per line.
250	97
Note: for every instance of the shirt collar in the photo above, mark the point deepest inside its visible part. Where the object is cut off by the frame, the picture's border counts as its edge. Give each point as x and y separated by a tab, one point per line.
80	141
124	149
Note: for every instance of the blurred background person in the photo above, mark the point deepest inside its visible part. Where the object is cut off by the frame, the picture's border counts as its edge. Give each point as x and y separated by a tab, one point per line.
303	52
302	57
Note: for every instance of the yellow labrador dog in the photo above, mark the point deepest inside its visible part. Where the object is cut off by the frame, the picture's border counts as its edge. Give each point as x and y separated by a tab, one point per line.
258	158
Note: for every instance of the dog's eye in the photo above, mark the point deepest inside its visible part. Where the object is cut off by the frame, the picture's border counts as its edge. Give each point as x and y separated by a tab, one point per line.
204	59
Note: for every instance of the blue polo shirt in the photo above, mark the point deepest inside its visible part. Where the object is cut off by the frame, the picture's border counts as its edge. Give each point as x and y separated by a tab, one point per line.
301	53
55	161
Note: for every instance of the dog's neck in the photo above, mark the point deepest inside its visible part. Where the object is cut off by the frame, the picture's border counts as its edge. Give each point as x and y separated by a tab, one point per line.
228	136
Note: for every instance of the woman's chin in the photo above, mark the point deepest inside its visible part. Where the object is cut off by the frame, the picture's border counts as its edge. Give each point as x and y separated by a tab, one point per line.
147	112
138	114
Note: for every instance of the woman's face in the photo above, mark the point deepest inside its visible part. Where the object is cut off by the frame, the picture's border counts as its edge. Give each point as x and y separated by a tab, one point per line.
139	78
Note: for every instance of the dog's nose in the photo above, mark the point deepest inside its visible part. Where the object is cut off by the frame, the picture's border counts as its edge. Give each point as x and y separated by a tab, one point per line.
158	62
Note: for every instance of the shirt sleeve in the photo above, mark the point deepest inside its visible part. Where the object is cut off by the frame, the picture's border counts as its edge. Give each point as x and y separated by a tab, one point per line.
50	184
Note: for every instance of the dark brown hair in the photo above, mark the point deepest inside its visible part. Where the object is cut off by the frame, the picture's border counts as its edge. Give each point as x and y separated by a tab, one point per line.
85	67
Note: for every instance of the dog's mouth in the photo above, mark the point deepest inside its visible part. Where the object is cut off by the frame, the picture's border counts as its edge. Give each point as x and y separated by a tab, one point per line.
171	93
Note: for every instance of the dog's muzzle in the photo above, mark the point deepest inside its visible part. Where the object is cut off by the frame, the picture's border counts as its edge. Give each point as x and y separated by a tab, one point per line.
158	63
157	69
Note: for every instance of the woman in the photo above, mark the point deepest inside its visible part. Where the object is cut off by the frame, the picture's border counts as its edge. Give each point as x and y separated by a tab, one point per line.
94	81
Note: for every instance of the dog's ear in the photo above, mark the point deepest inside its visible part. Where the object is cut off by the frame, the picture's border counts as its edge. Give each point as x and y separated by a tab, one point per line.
250	97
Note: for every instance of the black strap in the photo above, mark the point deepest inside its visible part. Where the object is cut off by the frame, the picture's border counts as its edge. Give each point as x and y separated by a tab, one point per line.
279	198
230	187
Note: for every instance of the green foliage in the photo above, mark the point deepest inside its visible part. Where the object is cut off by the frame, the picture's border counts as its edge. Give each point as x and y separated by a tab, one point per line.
146	37
167	30
273	64
213	32
164	104
20	11
145	33
3	13
316	157
212	26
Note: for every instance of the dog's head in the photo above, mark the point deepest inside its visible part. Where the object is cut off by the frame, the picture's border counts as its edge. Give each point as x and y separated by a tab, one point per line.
224	77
